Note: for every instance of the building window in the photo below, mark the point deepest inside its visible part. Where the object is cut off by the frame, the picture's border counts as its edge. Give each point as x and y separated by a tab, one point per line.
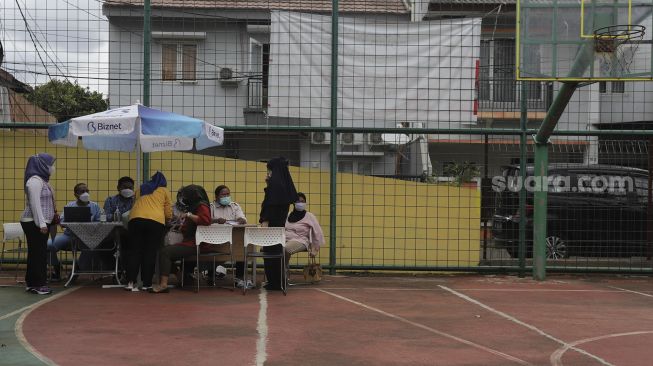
617	87
169	61
345	166
175	57
188	61
497	72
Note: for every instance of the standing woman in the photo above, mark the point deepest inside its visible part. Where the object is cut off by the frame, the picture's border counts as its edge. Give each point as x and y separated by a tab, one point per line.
40	213
146	228
279	194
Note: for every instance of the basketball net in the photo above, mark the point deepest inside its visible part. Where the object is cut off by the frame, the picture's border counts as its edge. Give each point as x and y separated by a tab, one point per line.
615	47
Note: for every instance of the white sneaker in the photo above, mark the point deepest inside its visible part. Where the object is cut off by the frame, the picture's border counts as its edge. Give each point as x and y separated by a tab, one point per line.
240	284
220	272
131	287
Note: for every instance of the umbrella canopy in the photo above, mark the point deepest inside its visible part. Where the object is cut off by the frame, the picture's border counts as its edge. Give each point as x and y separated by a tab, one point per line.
121	129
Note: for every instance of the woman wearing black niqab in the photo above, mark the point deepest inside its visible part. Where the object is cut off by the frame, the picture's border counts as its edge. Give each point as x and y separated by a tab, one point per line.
280	193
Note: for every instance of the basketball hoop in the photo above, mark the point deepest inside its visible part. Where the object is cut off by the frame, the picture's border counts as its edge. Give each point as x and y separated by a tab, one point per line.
616	45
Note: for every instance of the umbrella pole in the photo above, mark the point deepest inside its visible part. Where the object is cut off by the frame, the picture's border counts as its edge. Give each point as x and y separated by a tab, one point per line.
138	163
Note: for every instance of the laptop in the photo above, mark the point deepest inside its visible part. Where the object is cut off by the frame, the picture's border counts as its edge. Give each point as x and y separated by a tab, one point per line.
77	214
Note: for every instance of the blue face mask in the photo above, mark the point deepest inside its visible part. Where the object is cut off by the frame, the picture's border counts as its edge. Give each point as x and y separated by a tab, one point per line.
225	201
300	206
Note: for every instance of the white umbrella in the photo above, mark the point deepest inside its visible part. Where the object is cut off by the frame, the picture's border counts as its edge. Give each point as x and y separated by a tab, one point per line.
137	126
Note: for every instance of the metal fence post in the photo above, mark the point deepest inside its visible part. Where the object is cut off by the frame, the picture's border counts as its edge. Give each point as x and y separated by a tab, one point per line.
334	126
523	119
147	34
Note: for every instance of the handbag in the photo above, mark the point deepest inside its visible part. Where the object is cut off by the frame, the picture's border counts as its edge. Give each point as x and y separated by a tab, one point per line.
312	271
173	236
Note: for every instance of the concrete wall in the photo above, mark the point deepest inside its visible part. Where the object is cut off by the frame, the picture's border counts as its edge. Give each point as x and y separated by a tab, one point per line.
380	221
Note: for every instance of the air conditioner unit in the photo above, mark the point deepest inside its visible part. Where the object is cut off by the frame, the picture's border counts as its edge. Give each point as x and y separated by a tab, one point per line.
385	139
227	78
349	138
410	125
319	138
375	139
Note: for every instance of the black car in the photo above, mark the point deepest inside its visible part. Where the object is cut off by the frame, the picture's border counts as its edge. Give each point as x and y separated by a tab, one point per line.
593	210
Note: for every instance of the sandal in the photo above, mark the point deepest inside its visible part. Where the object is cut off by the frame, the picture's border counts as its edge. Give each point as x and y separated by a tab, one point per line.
153	290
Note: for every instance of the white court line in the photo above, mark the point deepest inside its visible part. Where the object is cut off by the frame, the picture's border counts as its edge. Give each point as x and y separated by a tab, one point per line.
18	327
46	300
262	329
557	355
530	290
438	290
634	292
526	325
429	329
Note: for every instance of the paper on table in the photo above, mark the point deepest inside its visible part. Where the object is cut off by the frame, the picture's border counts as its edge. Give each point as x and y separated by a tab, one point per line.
232	222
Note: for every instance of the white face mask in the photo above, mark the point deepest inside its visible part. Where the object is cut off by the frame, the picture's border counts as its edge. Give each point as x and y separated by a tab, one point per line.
127	193
300	206
85	197
51	169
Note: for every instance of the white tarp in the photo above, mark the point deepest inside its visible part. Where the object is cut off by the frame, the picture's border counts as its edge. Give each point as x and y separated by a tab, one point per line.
388	72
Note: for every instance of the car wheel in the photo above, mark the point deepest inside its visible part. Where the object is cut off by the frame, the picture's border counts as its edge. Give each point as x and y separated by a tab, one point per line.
556	247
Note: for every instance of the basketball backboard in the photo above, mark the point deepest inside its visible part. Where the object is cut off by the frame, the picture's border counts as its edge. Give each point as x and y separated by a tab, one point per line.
584	40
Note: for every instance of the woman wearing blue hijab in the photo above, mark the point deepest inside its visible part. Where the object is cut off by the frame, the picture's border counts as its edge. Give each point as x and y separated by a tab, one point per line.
39	214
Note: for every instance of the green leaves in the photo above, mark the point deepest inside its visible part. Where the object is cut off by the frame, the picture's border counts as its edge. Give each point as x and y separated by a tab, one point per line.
66	100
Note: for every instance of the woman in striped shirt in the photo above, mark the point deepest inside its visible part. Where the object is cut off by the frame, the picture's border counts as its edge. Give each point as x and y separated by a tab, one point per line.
39	215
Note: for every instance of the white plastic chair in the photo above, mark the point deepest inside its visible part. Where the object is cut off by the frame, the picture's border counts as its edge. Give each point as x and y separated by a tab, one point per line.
214	234
265	237
12	231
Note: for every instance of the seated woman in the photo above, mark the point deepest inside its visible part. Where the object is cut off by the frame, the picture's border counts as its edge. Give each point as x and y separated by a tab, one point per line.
303	232
224	210
194	202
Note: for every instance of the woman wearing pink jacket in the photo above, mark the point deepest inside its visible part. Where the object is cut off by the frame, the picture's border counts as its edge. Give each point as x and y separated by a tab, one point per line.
303	232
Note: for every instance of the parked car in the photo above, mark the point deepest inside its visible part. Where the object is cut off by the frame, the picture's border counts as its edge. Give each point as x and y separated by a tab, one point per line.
593	210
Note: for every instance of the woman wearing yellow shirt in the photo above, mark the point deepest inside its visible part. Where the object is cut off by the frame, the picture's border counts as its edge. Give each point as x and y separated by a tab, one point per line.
147	220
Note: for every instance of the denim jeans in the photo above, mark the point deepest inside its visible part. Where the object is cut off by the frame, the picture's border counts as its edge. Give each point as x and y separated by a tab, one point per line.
61	242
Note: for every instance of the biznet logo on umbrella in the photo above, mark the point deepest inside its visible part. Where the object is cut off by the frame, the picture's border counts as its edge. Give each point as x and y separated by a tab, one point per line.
169	144
94	127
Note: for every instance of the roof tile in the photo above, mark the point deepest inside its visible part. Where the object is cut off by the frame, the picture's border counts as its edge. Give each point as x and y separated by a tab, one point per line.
347	6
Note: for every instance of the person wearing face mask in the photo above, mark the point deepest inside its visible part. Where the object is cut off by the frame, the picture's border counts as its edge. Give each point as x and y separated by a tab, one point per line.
303	232
280	192
62	242
224	210
39	216
194	202
121	202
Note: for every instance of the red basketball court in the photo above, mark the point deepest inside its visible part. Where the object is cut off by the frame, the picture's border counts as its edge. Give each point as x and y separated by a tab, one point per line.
345	320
